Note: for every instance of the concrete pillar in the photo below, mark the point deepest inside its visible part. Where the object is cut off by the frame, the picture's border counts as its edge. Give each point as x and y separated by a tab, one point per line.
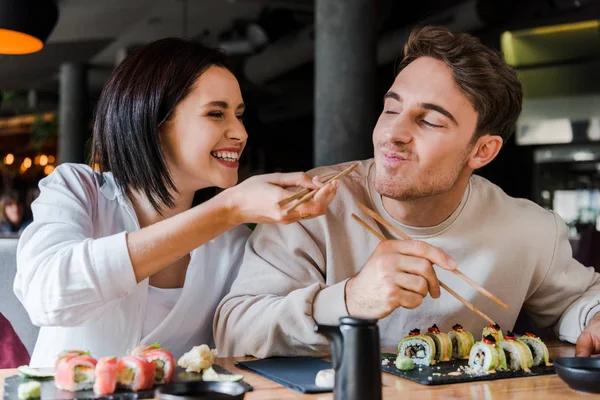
73	131
123	52
345	81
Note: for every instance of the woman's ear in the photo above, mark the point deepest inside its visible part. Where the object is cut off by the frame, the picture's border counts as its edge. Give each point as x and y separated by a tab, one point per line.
484	151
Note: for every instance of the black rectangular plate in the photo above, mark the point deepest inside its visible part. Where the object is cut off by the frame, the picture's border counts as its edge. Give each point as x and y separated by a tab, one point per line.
443	368
49	391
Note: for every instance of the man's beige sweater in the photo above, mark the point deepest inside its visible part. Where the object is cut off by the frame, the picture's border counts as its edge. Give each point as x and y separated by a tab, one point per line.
293	276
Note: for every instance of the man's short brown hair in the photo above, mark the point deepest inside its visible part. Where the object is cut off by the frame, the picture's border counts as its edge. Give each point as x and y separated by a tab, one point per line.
489	83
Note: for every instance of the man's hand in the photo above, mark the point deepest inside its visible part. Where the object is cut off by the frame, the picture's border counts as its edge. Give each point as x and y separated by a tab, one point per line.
589	340
398	274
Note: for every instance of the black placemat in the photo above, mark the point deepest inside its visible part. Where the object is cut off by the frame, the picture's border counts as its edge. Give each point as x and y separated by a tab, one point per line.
296	373
429	375
49	391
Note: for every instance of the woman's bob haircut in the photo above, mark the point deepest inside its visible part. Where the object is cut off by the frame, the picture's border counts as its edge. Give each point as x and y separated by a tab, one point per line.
141	95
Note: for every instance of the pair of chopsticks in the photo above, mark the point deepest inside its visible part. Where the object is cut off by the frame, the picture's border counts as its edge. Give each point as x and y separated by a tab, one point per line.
403	235
304	195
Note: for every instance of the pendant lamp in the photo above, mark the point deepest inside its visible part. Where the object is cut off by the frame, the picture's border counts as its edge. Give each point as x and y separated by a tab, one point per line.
25	25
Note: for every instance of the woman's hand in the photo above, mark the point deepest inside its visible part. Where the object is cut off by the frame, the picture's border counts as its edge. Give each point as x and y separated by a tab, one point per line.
255	199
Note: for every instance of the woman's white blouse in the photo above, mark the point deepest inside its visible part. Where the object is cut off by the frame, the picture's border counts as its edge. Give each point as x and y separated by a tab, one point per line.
75	278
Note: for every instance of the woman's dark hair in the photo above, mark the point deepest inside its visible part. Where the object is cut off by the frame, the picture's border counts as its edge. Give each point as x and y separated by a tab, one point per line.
138	98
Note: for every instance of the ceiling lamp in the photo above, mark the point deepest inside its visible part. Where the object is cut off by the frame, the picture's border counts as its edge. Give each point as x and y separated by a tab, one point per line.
25	25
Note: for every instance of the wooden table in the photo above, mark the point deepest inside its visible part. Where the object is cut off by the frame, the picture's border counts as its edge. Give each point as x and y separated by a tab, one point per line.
546	387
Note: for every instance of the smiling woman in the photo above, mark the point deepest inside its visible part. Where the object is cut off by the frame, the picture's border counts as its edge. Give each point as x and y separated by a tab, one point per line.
122	255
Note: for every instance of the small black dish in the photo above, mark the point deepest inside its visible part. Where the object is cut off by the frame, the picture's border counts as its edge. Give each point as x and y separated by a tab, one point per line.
580	373
202	390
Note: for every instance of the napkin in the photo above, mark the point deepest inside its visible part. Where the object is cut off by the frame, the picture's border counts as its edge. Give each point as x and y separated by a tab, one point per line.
296	373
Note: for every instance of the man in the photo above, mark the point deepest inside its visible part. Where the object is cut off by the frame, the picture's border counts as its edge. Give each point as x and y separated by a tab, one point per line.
451	107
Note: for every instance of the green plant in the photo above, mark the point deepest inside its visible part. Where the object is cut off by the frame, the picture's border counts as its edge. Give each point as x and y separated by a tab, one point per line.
15	100
41	130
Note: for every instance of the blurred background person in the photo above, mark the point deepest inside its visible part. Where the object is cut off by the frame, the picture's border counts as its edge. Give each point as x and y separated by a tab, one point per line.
12	214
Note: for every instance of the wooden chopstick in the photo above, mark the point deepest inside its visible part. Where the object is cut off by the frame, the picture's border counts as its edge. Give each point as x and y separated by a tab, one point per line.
299	193
303	191
403	235
466	303
442	284
304	195
368	227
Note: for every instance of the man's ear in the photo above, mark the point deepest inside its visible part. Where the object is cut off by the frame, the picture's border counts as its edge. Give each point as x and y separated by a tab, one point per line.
484	151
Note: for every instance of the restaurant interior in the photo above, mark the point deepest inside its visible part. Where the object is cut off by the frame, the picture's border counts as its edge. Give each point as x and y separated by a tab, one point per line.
282	61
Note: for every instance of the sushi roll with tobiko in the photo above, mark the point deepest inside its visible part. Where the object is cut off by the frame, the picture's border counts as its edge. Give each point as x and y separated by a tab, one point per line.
539	351
495	331
443	344
74	371
518	355
462	342
135	373
106	376
419	347
485	355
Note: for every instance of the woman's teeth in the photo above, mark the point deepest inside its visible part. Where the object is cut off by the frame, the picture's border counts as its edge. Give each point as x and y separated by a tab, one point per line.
226	155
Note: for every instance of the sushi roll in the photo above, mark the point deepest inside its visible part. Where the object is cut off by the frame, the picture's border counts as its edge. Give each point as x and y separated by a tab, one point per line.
72	353
419	347
462	342
163	361
539	351
495	331
74	372
135	373
141	349
106	376
518	355
502	362
443	344
164	365
485	355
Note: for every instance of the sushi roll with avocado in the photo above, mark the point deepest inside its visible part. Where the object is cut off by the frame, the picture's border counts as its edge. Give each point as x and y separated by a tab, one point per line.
419	347
495	331
485	355
518	355
74	371
539	351
135	373
443	344
106	376
461	341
